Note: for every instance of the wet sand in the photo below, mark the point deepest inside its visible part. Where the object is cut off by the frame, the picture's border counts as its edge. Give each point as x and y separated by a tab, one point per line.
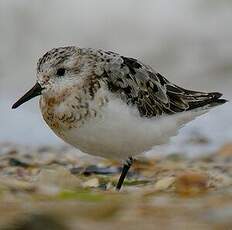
47	188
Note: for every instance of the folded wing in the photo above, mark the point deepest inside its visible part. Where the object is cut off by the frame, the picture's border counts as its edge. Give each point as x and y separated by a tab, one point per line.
152	94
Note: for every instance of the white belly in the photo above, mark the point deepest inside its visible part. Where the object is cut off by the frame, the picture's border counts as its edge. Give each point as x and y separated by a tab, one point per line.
120	132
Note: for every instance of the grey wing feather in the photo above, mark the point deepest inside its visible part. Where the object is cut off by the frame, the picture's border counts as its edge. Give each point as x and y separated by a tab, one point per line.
152	94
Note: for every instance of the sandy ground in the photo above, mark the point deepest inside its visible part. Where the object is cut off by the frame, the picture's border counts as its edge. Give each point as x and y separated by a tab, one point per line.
47	188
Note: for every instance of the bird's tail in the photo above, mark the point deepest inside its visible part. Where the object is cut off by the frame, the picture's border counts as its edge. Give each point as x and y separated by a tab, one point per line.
205	100
199	104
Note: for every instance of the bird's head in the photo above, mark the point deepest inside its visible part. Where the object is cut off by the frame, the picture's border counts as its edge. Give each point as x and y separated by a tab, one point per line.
57	70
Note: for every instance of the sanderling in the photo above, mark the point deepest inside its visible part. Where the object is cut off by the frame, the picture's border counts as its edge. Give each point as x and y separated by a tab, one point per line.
112	106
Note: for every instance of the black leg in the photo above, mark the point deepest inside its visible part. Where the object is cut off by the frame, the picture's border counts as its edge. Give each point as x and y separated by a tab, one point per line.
125	170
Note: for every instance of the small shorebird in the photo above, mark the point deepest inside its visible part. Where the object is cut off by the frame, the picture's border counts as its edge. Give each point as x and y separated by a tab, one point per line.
112	106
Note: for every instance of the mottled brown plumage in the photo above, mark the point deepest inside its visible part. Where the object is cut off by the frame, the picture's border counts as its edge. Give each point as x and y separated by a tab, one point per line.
129	79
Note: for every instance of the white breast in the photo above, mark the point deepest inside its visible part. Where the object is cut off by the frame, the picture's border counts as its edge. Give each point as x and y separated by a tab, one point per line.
120	132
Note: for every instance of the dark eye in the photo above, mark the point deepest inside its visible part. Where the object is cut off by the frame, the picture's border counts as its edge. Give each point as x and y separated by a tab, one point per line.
60	72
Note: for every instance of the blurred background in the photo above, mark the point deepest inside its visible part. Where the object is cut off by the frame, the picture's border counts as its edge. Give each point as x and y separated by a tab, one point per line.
189	42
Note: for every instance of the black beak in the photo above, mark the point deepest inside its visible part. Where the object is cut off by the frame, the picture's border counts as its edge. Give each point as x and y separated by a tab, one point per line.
35	91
